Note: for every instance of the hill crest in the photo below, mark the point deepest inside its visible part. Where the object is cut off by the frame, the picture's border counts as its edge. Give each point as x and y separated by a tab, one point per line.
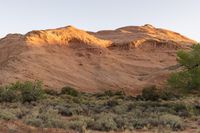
64	36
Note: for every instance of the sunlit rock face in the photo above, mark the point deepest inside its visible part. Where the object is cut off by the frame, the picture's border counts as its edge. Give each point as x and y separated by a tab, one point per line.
64	36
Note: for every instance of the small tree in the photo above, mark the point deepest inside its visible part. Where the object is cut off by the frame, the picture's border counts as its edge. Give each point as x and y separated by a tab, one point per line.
189	78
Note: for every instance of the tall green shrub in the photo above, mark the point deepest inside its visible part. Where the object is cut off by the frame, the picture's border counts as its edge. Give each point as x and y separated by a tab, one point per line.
31	91
7	95
188	79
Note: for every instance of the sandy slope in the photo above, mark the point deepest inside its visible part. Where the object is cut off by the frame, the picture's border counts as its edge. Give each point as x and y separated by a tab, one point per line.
129	57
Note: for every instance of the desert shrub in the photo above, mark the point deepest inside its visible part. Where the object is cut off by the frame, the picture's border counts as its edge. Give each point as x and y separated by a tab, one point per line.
22	112
173	121
64	111
45	118
16	86
195	109
167	94
112	103
149	120
52	101
31	91
120	109
69	91
114	93
51	123
96	108
110	93
79	124
122	122
150	93
7	114
55	123
8	95
76	109
137	120
148	114
51	92
181	109
153	121
120	93
77	100
36	122
103	122
27	92
153	94
69	109
139	123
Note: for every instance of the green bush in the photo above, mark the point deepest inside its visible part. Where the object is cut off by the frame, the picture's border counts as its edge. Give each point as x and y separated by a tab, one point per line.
180	81
51	92
167	94
175	122
31	91
181	109
122	122
80	123
113	93
139	123
36	122
16	86
149	120
69	91
64	111
188	79
7	115
45	118
76	109
10	92
103	122
137	120
21	112
7	95
112	103
110	93
120	109
77	125
27	92
150	93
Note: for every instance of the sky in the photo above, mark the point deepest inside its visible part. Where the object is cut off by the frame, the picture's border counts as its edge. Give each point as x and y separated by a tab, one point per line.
21	16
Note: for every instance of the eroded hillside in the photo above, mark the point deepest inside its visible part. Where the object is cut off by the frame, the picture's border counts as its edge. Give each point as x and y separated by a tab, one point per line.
129	57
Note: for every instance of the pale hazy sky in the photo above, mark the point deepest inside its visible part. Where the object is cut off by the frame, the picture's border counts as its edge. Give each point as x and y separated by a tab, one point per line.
21	16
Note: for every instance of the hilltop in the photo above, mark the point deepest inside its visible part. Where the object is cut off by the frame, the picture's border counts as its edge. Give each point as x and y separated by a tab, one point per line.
64	36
